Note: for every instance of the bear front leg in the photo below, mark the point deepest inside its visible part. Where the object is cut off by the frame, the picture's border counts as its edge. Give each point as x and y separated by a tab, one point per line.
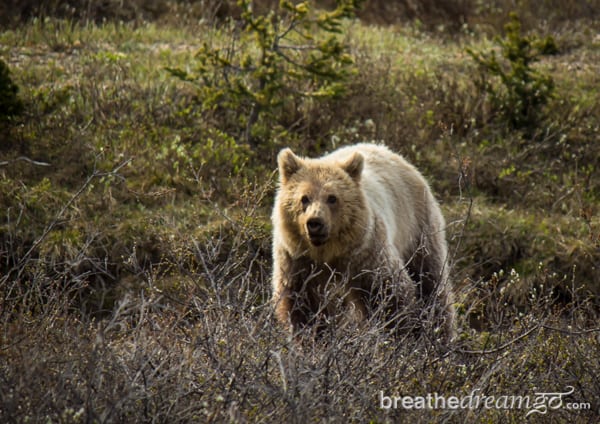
290	309
291	313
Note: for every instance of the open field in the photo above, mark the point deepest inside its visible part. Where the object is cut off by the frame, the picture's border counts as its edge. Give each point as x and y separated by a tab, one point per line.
135	231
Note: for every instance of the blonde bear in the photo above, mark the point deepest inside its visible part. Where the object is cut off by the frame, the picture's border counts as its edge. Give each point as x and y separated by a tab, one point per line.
355	231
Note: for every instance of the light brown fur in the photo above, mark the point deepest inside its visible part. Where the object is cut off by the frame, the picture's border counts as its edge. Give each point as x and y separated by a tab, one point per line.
350	226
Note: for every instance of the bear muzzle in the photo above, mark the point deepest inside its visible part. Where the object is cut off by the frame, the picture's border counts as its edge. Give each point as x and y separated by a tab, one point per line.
317	231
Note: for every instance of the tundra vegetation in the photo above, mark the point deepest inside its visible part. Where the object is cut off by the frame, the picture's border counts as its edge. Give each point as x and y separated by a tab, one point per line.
137	157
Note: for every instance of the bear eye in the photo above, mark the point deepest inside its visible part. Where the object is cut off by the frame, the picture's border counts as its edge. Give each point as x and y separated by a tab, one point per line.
331	199
305	200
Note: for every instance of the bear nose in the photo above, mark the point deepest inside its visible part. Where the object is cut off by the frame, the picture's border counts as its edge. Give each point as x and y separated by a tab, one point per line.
315	226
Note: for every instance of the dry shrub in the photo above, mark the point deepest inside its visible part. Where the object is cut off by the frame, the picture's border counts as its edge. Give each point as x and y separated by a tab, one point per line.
434	15
194	339
212	352
84	10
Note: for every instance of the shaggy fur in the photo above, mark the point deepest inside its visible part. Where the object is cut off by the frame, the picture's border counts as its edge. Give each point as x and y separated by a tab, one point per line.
350	228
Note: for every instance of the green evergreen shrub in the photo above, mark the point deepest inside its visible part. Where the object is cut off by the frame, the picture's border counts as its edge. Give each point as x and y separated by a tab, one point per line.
10	104
280	56
523	91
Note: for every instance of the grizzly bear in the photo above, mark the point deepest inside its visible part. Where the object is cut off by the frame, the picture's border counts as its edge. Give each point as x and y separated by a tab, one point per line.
352	229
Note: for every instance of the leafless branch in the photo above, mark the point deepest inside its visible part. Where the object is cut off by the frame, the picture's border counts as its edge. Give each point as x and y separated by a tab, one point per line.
24	159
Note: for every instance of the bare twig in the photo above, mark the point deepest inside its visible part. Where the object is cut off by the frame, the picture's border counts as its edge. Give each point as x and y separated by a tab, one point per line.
572	332
24	159
19	267
502	346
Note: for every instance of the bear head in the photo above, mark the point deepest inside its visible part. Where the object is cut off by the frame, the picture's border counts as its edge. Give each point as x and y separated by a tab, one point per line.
322	205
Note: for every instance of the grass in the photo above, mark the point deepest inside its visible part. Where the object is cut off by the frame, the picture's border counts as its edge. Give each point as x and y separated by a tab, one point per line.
135	234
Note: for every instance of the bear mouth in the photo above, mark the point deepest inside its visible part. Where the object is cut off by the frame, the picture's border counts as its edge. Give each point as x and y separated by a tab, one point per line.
318	240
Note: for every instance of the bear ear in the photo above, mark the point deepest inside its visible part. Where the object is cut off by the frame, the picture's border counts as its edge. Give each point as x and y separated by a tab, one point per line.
288	164
354	166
